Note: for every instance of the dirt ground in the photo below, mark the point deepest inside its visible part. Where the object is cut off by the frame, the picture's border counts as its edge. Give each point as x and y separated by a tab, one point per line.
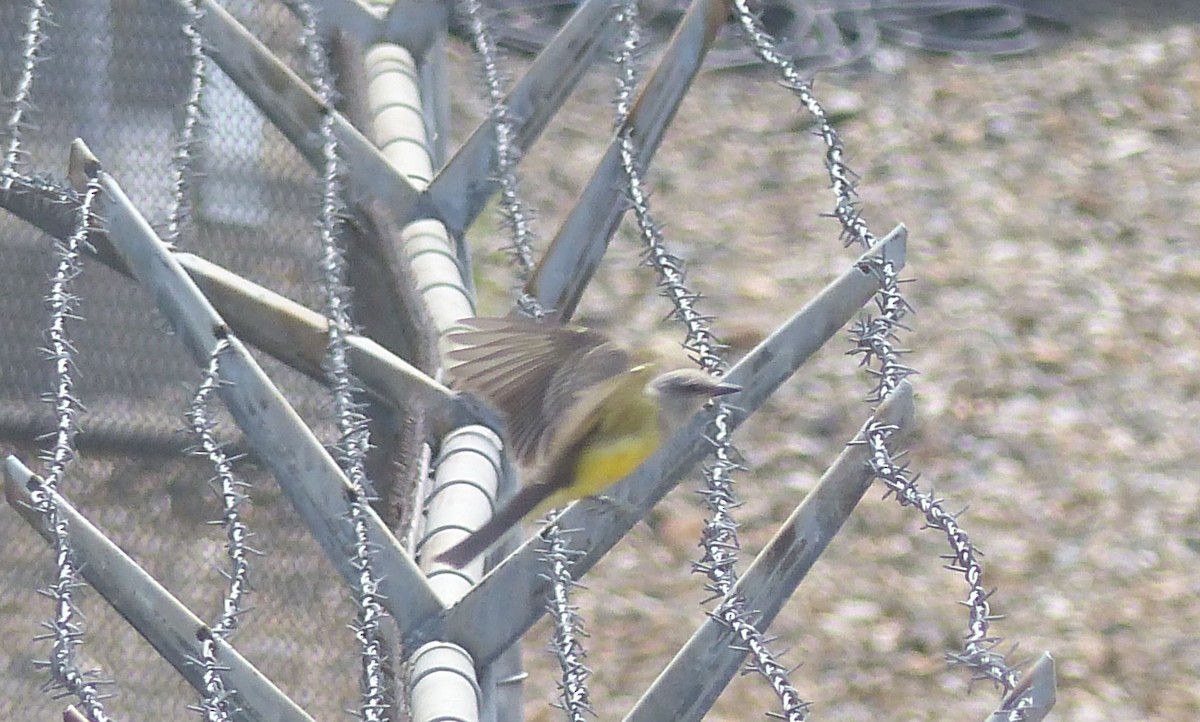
1053	209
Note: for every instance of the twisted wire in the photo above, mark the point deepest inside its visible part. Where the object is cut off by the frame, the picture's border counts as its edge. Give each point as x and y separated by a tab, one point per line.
183	160
65	631
842	180
718	564
215	703
574	698
512	205
719	539
874	340
573	695
700	339
353	441
875	337
31	42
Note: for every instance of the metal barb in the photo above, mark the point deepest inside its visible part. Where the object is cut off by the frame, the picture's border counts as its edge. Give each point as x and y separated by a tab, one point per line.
574	698
353	442
183	161
719	538
841	178
229	488
66	633
31	43
874	342
512	206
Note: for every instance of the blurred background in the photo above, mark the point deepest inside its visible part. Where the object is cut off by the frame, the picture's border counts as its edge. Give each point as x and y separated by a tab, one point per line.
1047	164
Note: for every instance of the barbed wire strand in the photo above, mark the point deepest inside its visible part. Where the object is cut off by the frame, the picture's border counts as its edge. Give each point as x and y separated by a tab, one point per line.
843	180
719	538
574	697
66	630
216	704
875	340
353	441
31	43
183	161
512	206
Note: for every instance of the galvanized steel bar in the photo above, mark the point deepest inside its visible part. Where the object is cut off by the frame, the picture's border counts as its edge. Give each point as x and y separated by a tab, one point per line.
507	602
461	190
1033	698
164	622
288	331
304	469
575	253
296	111
687	687
296	335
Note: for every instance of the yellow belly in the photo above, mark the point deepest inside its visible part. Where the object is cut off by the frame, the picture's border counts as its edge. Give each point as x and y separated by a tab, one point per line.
602	465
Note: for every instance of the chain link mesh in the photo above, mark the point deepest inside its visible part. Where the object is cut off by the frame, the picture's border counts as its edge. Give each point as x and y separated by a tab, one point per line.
122	75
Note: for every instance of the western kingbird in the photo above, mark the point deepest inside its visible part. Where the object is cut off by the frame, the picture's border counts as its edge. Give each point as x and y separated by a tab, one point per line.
577	408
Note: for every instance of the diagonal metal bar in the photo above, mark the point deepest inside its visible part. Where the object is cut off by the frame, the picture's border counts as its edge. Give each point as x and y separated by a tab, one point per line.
296	335
569	263
413	24
286	330
701	669
160	618
509	600
296	111
306	472
1035	696
348	16
461	190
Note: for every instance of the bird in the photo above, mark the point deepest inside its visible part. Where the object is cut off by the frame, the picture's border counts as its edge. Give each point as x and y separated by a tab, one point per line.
579	410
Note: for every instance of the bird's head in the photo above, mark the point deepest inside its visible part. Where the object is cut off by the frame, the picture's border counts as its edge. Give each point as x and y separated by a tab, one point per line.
681	392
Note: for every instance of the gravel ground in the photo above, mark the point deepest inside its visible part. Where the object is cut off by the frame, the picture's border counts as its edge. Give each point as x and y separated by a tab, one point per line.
1053	209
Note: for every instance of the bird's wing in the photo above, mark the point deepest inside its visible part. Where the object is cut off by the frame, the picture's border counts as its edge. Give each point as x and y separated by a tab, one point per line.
591	414
532	373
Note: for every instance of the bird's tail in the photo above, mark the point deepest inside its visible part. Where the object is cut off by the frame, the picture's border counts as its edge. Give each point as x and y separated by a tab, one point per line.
526	501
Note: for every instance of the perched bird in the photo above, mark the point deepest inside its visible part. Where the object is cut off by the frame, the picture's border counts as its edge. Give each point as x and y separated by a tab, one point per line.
579	411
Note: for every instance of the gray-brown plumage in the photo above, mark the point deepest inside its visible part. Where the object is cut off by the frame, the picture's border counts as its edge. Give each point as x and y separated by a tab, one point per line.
532	373
577	408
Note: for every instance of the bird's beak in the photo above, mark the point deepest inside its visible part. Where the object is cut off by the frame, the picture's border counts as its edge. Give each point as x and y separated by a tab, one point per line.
722	389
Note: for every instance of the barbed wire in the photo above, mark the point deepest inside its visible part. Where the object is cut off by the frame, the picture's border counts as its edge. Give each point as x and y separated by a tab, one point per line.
216	700
512	204
843	180
574	697
719	538
215	703
353	441
65	630
825	35
31	43
183	160
874	340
